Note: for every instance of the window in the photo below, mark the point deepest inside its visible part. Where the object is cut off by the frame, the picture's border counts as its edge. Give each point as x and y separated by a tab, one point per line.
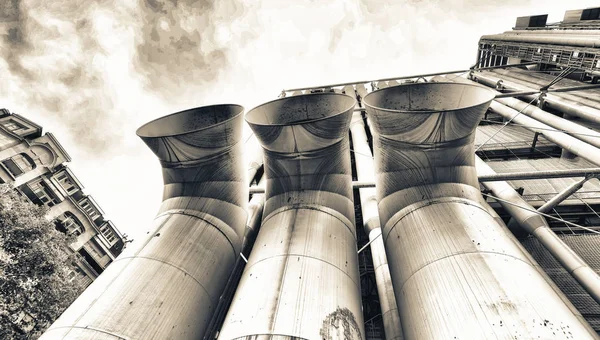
71	224
19	164
89	209
107	231
43	193
13	126
66	182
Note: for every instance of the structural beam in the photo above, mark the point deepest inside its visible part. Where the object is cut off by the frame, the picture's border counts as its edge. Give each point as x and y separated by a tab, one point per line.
507	176
408	77
563	195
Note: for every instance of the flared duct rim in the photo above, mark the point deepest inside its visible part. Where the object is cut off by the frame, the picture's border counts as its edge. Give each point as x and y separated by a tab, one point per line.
258	116
190	121
487	95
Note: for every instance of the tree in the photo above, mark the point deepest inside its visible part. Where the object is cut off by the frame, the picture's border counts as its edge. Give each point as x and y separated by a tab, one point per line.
34	268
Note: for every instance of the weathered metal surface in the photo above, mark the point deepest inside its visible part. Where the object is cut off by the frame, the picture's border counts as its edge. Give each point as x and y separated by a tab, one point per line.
365	171
457	271
302	280
167	285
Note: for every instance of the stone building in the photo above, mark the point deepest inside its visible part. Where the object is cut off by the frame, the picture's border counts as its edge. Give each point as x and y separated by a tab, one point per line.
35	164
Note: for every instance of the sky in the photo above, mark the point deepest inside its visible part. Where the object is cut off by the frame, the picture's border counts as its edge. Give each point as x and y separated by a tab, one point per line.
92	72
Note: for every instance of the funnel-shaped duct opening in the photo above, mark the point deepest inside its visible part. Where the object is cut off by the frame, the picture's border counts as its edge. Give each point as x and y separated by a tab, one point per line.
192	134
427	112
302	123
425	135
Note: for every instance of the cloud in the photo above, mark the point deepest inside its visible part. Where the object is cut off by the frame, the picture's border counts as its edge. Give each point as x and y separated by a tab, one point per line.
178	45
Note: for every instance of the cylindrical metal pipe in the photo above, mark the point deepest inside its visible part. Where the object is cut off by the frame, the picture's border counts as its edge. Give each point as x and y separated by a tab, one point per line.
572	144
554	39
543	79
563	195
535	224
533	120
580	132
457	272
302	279
255	210
363	159
534	85
167	285
560	104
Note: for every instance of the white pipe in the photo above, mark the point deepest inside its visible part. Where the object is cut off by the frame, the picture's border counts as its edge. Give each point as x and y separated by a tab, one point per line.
368	203
536	225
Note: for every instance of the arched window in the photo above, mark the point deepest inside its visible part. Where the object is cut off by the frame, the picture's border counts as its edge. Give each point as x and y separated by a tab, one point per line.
19	164
71	224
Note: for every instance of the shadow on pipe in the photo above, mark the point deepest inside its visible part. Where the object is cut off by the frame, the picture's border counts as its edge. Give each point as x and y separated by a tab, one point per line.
457	271
167	285
302	280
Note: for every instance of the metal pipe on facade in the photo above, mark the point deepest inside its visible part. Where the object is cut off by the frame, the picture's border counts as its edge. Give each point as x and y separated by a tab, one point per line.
580	132
555	91
368	203
542	79
301	280
453	265
560	104
540	116
555	39
536	225
255	210
572	144
167	285
563	195
546	31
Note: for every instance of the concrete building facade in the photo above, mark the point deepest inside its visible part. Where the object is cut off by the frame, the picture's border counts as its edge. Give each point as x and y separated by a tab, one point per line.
34	163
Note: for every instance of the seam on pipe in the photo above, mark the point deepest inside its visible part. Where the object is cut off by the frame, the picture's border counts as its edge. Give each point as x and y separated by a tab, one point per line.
171	265
106	287
464	253
307	256
316	207
192	213
88	328
397	217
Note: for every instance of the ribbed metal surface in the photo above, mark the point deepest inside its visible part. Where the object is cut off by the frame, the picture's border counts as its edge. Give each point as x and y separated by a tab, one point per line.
588	248
457	272
167	285
301	280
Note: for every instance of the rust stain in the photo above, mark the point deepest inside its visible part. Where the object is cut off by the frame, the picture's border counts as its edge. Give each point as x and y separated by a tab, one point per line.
340	324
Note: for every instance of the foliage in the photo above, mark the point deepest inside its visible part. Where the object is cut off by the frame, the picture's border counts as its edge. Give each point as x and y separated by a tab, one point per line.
34	268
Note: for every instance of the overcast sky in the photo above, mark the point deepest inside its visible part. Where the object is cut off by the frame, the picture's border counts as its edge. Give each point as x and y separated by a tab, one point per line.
91	72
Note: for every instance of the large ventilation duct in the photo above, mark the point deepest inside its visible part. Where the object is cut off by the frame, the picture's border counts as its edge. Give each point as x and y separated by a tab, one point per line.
168	285
301	280
457	272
